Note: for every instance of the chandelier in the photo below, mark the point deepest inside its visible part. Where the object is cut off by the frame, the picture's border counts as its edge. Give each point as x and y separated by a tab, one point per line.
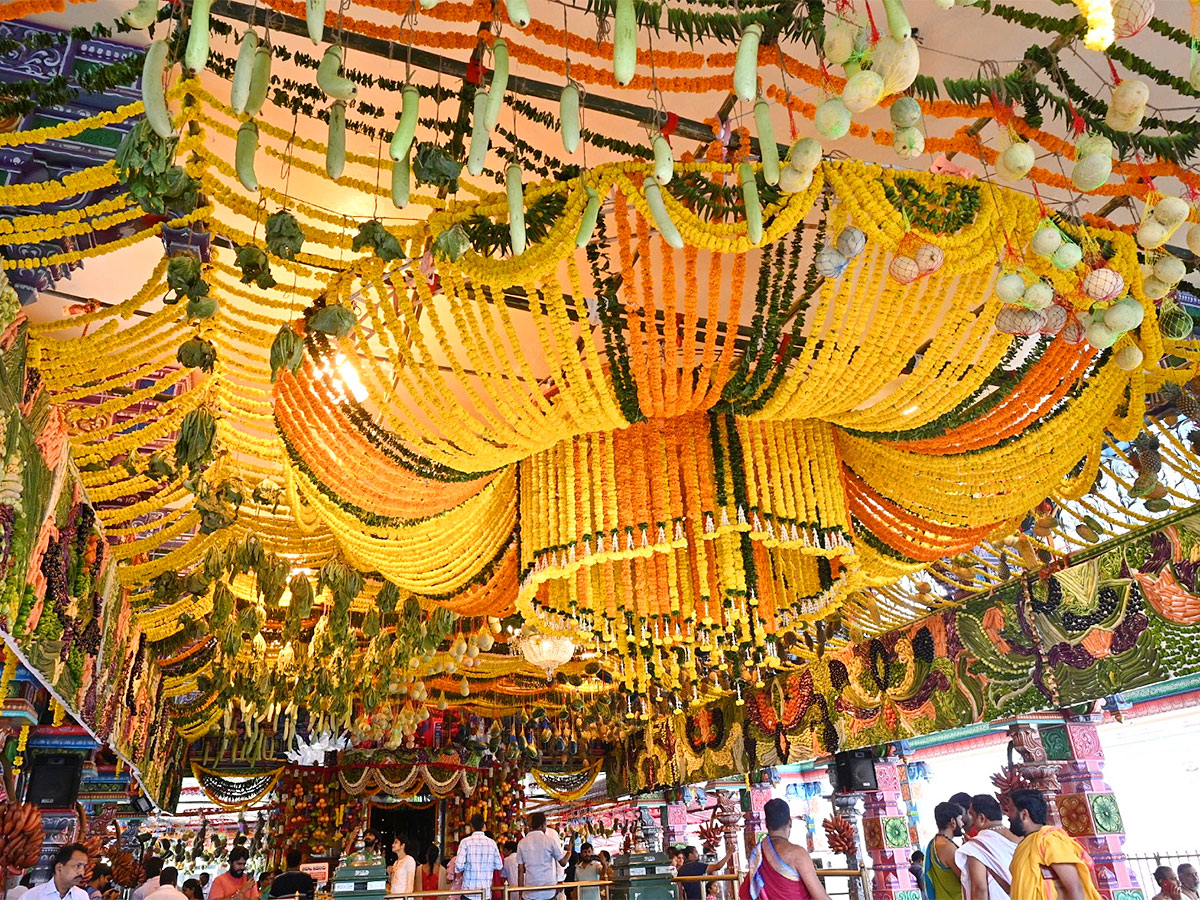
546	651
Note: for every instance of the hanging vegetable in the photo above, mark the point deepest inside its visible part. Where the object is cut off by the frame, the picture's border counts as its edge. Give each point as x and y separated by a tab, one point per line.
400	181
624	42
568	115
406	129
154	97
142	15
247	147
587	224
516	208
518	12
195	54
260	80
499	82
768	149
479	134
662	219
745	69
314	16
897	20
664	160
754	218
335	154
335	85
242	71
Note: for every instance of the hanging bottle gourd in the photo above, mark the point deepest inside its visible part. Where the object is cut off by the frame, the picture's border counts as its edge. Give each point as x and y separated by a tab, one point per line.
406	128
664	160
243	69
754	217
335	85
897	20
247	147
335	153
154	98
768	149
516	208
499	83
658	212
142	15
624	42
745	69
587	224
314	17
568	117
518	12
401	183
479	134
195	54
260	79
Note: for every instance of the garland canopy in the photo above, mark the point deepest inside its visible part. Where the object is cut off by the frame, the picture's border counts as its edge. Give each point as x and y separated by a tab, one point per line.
703	413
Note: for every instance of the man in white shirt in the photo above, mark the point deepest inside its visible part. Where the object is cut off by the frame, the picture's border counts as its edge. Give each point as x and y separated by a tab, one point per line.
166	889
70	863
985	860
477	858
538	856
512	870
153	868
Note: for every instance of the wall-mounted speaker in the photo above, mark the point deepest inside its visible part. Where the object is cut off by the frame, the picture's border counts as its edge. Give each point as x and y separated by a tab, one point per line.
854	771
54	780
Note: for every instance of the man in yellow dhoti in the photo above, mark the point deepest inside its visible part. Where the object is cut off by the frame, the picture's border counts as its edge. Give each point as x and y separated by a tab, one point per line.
1048	864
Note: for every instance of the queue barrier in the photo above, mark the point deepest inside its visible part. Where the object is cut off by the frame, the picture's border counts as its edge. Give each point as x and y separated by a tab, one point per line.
514	889
481	893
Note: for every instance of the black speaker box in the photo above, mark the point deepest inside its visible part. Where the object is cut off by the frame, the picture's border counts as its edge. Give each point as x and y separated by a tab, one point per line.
54	780
855	771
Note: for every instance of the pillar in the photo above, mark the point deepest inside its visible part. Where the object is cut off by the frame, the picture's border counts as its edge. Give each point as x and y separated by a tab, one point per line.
1086	806
1036	768
846	806
886	835
677	819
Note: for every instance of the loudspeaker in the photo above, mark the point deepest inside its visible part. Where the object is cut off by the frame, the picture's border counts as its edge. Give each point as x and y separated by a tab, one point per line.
855	771
54	780
140	804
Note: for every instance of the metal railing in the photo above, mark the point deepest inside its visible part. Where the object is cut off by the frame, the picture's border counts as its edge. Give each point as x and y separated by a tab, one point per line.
481	893
562	885
1143	867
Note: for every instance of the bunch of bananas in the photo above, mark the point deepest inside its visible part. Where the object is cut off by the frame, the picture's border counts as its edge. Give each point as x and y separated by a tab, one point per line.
127	871
20	834
840	833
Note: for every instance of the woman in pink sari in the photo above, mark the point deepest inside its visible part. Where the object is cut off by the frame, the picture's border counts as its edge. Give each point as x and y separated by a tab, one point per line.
779	869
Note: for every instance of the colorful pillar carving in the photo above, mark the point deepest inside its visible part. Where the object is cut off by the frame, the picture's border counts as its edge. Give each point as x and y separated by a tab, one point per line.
886	835
1086	805
1035	766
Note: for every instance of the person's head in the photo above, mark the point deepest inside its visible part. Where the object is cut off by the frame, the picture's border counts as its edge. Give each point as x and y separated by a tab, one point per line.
370	839
606	856
947	815
152	867
690	854
1164	875
204	878
777	816
477	822
238	857
962	800
917	858
264	880
101	876
293	858
585	850
510	846
193	889
400	844
1029	811
537	822
676	857
1188	876
984	811
168	877
70	862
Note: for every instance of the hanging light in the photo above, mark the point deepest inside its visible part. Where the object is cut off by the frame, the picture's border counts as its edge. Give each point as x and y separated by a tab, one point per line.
546	651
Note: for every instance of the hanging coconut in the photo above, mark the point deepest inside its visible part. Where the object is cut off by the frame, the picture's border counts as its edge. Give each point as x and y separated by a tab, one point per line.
851	242
1054	319
1155	289
1129	96
804	155
905	112
1016	161
1103	284
1152	234
1010	287
904	269
1193	239
908	143
863	90
830	263
1171	211
1093	145
1124	315
1100	336
929	258
832	119
1038	295
1019	320
1073	332
1129	358
1091	172
1170	269
792	181
1067	256
1046	240
897	63
1131	16
838	45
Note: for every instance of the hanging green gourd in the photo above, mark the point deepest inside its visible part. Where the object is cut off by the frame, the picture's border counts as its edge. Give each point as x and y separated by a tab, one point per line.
664	160
662	219
754	217
624	42
479	134
401	181
745	69
335	153
591	212
406	129
260	80
335	85
314	17
767	148
195	54
247	147
142	15
568	116
897	20
518	12
499	82
242	71
154	97
516	208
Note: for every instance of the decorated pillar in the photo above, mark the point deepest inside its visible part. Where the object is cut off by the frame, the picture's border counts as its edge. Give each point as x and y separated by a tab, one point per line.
886	835
1086	805
845	806
729	814
1035	768
677	819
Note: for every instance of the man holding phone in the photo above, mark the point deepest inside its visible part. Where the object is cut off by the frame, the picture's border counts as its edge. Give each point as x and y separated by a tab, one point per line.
235	884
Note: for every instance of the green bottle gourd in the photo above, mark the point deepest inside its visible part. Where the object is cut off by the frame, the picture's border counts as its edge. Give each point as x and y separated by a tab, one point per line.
516	208
154	96
195	54
624	41
406	129
662	219
335	154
